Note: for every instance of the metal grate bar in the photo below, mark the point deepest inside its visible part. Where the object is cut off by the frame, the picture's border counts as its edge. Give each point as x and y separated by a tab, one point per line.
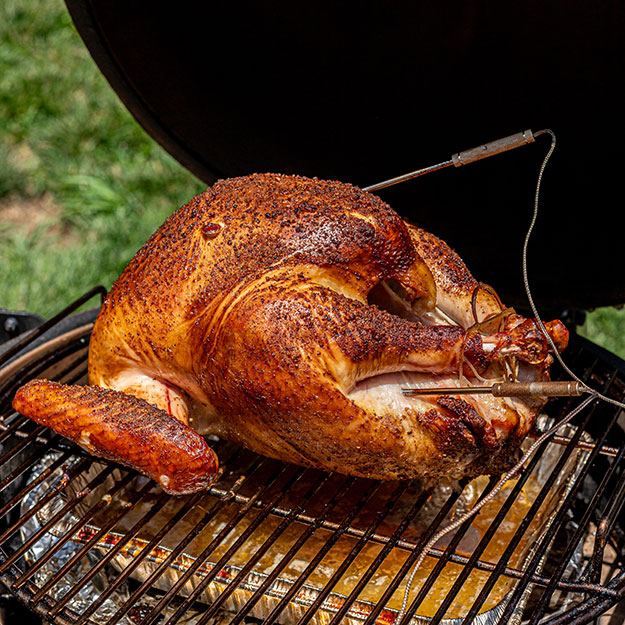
148	583
215	509
39	366
203	556
411	546
173	591
578	535
490	567
53	520
378	538
173	554
125	574
21	468
53	442
325	548
492	579
69	472
309	530
614	505
25	442
604	450
19	471
618	544
43	609
564	506
238	543
494	525
77	376
604	528
356	549
108	557
566	454
486	538
98	506
593	568
17	422
386	550
44	327
590	508
593	607
82	552
442	562
414	555
490	582
267	544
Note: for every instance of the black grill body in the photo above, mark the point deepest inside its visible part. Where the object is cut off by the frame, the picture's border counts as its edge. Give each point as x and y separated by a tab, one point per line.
362	94
94	498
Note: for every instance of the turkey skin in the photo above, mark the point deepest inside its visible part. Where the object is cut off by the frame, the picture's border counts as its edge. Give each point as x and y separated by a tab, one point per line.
286	314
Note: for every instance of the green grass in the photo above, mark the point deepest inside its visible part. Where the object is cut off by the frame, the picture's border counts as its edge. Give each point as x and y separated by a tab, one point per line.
64	133
606	326
66	138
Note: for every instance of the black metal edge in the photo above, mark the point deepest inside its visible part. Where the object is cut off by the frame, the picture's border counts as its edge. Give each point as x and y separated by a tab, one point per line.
22	343
588	611
63	326
616	362
97	44
13	610
16	322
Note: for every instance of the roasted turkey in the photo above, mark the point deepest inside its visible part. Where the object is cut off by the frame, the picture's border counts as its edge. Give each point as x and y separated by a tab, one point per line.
286	314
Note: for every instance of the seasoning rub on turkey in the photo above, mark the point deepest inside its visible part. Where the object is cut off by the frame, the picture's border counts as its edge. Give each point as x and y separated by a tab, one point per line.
286	314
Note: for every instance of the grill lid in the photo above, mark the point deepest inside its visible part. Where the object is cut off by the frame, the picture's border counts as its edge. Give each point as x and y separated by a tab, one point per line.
361	95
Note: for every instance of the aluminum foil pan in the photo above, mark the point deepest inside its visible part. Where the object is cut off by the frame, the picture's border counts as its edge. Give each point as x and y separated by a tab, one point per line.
315	583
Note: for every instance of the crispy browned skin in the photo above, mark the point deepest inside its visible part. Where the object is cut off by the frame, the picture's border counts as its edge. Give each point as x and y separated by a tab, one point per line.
249	315
124	429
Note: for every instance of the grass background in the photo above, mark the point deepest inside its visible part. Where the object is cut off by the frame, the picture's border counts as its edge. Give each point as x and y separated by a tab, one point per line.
81	184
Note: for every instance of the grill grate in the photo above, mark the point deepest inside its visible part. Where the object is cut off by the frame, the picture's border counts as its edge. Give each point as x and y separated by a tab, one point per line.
302	505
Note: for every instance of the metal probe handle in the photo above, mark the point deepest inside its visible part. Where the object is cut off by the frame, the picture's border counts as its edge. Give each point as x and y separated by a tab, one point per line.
462	158
494	147
507	389
538	389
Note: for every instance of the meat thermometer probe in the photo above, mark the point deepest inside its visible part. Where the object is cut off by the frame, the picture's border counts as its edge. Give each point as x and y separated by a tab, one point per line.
507	389
500	389
464	158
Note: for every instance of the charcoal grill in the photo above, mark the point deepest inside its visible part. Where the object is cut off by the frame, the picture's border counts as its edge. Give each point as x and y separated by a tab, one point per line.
591	507
322	91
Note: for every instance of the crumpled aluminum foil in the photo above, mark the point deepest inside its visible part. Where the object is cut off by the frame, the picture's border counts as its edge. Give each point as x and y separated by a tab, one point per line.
90	592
